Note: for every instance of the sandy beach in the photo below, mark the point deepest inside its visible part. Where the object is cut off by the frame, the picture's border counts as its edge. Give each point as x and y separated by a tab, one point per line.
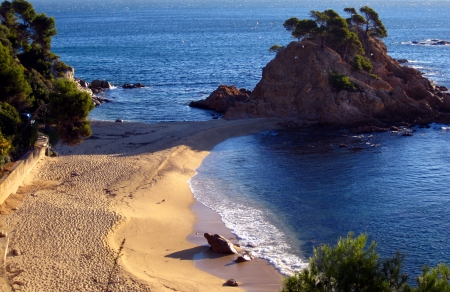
127	181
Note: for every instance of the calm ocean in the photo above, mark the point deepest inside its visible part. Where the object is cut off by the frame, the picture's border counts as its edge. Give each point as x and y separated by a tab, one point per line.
284	191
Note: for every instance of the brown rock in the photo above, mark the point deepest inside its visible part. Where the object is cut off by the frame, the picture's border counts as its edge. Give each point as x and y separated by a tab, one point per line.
222	98
220	244
232	283
100	84
16	252
296	84
244	256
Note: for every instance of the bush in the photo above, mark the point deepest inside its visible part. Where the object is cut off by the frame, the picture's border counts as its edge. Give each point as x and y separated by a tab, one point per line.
5	147
10	121
341	82
276	48
348	266
351	266
362	63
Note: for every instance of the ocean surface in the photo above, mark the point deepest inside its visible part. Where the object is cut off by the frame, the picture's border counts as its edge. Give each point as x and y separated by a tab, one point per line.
284	192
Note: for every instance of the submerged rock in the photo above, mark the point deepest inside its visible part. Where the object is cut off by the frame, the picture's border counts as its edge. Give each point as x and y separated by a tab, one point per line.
131	86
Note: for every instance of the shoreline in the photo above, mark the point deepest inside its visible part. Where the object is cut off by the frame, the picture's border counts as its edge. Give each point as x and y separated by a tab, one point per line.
128	181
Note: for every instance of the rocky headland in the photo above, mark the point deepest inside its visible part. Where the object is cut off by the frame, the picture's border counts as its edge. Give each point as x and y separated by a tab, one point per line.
296	83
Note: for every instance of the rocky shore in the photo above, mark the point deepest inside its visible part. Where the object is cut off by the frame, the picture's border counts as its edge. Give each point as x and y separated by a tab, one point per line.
296	84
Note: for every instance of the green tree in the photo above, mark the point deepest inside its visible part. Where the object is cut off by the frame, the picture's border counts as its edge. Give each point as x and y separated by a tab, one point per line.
328	26
69	108
10	121
432	280
291	23
14	89
305	28
355	18
348	266
25	80
373	25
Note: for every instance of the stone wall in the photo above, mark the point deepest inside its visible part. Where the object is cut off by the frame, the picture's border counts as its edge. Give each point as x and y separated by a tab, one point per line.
10	183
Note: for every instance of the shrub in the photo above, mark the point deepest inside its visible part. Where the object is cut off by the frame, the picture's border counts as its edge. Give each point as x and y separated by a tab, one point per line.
276	48
5	147
348	266
351	266
341	82
432	280
362	63
10	121
61	66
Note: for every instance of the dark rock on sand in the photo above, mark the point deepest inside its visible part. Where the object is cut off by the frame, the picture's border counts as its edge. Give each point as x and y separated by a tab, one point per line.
232	283
220	244
244	256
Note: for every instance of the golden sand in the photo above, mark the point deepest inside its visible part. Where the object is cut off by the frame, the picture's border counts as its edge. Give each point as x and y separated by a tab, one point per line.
128	181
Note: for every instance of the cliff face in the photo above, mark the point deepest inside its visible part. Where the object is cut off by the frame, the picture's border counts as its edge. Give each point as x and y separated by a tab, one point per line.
296	84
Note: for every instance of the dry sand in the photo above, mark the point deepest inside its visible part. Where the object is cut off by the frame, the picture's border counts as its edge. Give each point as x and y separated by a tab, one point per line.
128	181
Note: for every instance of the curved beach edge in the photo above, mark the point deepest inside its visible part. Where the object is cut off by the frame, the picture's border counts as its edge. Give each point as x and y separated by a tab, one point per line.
128	181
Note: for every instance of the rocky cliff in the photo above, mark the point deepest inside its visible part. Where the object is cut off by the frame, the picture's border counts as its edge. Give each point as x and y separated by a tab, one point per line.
296	83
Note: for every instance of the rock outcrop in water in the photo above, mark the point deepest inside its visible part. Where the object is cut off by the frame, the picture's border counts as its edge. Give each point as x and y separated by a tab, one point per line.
222	98
296	83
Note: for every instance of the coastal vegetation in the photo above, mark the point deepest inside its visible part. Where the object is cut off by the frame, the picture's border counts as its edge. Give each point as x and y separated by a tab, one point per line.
341	35
352	266
33	90
341	82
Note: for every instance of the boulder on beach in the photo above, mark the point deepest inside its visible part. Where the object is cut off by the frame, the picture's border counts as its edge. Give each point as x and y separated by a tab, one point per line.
220	244
232	283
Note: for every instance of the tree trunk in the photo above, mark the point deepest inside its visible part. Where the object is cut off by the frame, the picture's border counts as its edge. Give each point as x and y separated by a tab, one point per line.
33	116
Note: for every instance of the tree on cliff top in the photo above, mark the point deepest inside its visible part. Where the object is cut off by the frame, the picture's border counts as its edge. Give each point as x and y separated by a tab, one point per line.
369	21
329	26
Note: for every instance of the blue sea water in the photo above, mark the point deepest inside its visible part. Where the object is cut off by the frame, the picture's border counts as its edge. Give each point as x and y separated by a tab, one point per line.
284	191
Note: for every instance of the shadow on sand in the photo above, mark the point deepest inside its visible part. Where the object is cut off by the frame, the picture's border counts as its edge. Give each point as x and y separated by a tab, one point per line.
196	253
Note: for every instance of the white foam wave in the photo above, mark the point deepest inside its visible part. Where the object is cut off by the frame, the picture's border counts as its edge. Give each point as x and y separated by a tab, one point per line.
427	42
251	227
